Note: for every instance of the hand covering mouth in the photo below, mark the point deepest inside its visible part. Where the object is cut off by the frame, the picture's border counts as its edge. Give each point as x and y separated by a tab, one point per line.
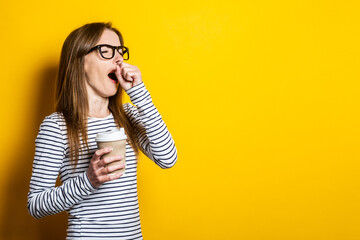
112	75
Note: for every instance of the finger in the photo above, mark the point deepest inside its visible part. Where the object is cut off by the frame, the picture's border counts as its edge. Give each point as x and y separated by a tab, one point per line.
111	169
123	72
111	177
128	67
124	64
97	155
129	76
110	159
118	73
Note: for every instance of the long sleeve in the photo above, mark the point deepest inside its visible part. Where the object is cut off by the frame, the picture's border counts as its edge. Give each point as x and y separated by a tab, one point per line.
44	198
155	141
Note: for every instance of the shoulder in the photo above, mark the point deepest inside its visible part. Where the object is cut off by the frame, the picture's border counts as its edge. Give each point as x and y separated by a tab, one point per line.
50	130
53	122
55	117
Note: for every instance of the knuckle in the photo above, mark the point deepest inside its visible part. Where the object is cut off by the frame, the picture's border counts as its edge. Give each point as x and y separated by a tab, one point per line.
107	160
97	176
98	153
104	160
101	180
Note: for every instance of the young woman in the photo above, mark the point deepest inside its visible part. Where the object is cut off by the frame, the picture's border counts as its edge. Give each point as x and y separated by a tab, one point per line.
92	76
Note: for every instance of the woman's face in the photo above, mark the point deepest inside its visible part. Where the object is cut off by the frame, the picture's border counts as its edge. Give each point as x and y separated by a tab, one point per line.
97	69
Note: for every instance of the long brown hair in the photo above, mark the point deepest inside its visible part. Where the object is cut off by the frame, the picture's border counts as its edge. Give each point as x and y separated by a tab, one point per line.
71	94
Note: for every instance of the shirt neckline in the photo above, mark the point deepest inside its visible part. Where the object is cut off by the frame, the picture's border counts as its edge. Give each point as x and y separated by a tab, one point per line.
103	118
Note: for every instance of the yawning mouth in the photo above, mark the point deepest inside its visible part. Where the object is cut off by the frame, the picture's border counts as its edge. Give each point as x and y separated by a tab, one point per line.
113	76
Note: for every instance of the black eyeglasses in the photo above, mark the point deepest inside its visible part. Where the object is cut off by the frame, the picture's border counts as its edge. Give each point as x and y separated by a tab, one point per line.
108	52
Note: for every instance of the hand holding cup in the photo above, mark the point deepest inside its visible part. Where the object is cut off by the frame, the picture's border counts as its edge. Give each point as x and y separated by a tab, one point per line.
99	170
108	163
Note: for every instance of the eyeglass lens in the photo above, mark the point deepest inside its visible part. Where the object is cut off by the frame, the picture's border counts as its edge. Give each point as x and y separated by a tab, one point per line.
108	52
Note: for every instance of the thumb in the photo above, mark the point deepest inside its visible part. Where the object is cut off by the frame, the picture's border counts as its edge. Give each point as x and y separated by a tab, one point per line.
118	73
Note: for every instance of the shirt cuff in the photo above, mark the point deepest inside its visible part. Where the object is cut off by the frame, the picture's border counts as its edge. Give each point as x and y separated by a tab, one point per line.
89	187
138	94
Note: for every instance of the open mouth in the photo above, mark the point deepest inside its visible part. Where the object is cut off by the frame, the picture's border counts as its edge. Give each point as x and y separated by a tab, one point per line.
113	76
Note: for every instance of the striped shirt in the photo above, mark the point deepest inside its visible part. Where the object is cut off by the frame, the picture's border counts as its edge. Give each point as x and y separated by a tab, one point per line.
112	210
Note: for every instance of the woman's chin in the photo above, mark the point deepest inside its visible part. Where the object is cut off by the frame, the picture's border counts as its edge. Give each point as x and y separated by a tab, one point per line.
113	91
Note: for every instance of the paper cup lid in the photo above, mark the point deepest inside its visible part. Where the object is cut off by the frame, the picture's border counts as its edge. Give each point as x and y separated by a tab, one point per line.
115	135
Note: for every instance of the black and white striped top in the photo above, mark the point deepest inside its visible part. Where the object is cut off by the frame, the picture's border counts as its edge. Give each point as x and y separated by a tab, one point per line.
111	211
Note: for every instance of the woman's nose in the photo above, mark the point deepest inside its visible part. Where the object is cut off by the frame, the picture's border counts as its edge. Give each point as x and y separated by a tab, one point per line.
118	58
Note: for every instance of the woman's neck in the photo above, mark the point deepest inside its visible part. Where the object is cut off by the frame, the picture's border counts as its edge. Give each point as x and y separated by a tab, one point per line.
98	107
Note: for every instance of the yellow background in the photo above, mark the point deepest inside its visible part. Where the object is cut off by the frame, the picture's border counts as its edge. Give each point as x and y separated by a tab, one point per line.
261	97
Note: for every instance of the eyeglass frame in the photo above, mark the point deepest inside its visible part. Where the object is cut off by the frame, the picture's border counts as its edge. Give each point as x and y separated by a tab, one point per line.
98	47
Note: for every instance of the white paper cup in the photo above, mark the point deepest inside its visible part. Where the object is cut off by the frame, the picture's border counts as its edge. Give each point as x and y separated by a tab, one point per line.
117	140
